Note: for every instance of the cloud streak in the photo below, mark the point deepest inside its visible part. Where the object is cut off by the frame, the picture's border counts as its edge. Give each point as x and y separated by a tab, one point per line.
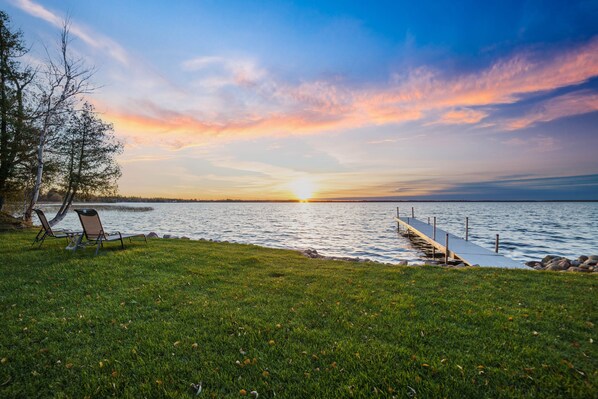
91	38
575	103
261	104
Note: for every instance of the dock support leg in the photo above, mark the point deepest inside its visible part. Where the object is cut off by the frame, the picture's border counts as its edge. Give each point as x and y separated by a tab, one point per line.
446	252
496	244
398	224
466	229
412	212
434	236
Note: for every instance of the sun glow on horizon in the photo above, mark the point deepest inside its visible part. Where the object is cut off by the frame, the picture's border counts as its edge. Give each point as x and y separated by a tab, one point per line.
302	188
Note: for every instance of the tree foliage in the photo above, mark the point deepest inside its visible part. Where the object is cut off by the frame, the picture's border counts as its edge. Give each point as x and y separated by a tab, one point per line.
17	134
88	148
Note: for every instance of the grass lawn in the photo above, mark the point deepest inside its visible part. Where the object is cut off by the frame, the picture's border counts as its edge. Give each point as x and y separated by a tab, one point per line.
153	319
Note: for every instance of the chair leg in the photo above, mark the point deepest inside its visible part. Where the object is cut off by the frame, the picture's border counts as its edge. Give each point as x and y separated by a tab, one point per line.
78	242
99	245
38	239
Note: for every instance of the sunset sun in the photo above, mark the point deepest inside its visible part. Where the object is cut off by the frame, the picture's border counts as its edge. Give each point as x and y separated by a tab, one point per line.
302	188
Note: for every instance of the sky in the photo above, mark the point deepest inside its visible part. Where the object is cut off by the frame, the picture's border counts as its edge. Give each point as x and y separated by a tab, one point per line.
274	100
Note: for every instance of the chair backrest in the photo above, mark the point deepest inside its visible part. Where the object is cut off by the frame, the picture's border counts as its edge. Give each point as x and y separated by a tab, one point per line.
90	221
44	221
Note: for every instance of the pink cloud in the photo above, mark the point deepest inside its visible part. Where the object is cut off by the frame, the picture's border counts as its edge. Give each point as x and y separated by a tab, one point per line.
268	106
576	103
462	116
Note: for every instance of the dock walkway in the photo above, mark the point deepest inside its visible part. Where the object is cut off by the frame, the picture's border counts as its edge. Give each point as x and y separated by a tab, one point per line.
468	252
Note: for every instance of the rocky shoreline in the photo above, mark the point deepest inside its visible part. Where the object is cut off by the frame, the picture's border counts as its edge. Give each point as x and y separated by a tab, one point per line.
583	264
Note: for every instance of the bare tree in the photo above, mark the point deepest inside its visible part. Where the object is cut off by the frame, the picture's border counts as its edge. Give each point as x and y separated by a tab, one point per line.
88	147
65	79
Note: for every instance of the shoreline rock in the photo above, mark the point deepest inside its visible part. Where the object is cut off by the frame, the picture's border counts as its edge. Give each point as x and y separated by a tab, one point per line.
583	264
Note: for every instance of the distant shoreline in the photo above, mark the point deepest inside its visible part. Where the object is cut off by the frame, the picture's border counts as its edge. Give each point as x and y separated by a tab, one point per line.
166	201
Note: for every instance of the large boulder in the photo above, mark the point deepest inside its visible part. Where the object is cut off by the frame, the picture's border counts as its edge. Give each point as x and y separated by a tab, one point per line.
554	267
547	259
564	263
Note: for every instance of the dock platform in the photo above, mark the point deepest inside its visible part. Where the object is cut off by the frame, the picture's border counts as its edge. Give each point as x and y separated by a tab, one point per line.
458	248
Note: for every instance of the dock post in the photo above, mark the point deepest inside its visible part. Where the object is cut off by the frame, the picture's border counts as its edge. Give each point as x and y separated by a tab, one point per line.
428	219
496	244
434	237
446	252
398	224
467	229
412	212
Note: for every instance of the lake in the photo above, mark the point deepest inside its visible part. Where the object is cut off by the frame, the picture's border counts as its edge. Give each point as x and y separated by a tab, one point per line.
528	230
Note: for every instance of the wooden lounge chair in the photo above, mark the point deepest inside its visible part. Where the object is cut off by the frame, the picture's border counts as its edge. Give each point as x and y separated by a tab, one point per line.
94	232
47	231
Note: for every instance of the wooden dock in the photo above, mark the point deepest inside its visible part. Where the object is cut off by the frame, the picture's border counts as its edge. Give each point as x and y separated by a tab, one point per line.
458	248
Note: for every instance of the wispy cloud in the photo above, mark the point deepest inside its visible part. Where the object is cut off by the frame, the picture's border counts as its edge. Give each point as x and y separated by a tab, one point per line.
90	37
538	143
461	117
238	71
575	103
265	105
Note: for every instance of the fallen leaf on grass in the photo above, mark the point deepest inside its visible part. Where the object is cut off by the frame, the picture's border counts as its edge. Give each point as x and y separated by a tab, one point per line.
197	388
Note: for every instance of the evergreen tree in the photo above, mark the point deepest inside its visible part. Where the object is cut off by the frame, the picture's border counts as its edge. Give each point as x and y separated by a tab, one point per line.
17	136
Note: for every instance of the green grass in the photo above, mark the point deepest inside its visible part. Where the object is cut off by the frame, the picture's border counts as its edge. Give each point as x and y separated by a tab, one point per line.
151	320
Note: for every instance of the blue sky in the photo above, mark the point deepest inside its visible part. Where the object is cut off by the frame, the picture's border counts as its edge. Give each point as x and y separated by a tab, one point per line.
340	99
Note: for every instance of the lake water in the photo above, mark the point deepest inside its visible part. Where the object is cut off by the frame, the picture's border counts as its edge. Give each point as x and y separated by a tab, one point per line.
528	231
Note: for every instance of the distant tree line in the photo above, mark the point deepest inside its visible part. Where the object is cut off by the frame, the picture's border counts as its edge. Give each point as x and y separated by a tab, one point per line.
50	138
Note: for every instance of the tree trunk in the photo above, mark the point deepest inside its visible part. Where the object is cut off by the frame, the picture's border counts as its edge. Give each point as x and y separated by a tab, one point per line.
64	208
38	177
